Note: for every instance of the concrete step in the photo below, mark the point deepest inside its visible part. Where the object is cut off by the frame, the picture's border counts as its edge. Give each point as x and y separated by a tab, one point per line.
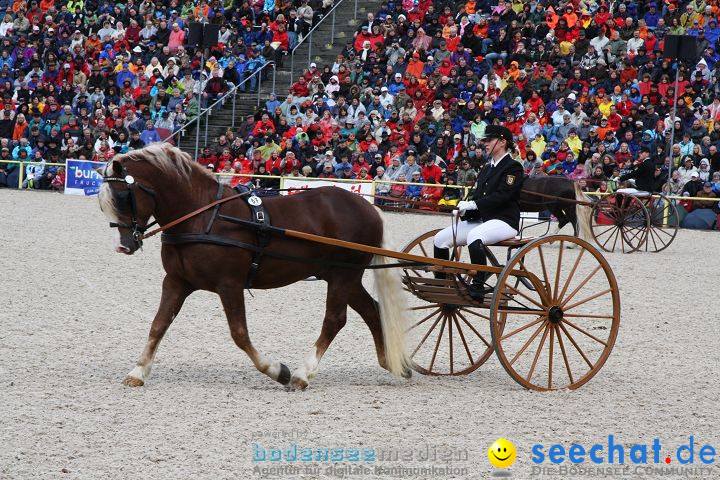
325	48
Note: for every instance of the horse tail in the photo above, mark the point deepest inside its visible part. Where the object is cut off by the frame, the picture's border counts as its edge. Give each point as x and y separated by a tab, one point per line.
392	314
583	213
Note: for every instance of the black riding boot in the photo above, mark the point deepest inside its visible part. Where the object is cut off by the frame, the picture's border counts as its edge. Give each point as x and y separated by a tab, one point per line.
442	254
478	256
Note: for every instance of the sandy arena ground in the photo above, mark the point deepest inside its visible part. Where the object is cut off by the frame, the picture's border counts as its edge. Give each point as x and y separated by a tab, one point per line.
75	317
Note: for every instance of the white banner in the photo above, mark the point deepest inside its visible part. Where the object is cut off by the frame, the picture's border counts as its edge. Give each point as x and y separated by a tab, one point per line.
295	185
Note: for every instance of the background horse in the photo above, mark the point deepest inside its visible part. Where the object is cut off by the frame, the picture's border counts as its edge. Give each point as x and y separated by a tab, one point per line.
565	206
161	181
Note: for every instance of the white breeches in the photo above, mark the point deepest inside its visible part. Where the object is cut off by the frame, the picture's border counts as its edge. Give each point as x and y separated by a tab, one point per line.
490	232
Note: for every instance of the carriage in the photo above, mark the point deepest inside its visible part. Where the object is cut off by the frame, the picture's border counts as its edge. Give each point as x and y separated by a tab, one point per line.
630	220
552	319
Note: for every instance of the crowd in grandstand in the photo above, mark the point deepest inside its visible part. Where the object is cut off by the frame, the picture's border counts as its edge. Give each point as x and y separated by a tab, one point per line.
583	85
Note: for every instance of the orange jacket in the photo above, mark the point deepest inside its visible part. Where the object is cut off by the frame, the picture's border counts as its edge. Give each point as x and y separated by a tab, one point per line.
46	4
20	131
415	67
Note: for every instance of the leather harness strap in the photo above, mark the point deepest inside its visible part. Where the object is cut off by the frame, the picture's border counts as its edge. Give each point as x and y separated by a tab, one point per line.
187	238
260	217
217	207
191	215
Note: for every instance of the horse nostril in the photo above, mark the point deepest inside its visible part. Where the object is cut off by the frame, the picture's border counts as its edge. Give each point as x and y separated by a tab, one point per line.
122	249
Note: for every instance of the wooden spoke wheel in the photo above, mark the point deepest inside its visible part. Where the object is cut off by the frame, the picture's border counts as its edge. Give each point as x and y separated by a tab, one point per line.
664	223
620	221
448	333
560	321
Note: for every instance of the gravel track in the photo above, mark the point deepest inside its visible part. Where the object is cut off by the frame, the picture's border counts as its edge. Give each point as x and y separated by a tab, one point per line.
75	317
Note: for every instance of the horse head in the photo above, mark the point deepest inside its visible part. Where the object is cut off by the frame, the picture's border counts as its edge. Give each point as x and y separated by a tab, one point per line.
132	191
128	204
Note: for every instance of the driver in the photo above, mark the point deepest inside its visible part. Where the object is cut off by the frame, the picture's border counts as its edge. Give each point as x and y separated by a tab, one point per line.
493	213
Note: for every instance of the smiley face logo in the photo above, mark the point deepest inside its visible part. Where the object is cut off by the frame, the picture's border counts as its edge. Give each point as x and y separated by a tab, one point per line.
502	453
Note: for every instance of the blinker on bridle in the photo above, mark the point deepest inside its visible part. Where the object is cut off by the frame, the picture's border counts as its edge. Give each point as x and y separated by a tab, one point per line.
126	202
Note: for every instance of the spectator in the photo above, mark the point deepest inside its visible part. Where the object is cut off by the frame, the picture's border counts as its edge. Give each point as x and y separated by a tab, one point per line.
706	192
693	186
150	135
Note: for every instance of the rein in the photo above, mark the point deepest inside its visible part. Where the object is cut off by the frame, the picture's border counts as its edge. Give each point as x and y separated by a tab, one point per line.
559	199
142	236
193	214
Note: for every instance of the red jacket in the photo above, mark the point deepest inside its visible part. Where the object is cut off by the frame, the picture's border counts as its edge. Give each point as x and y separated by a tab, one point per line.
264	128
281	37
360	164
362	38
431	171
300	89
207	160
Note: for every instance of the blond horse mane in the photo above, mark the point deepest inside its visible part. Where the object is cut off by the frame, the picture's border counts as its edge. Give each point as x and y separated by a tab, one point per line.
167	158
170	160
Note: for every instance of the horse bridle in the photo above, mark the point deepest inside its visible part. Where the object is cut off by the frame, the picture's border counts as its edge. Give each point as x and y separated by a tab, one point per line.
125	201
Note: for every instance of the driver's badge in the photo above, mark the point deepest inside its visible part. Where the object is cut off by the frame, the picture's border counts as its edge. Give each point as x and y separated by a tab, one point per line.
510	179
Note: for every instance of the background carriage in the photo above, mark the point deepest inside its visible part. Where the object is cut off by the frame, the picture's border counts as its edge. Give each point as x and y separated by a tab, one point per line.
630	222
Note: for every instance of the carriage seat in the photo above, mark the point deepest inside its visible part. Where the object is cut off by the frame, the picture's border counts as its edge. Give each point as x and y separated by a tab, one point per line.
633	191
515	242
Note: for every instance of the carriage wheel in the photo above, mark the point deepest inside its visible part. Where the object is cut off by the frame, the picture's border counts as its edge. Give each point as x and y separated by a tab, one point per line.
444	338
561	321
664	223
620	221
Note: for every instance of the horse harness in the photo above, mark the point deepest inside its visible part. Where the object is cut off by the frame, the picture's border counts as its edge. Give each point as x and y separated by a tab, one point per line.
125	201
260	222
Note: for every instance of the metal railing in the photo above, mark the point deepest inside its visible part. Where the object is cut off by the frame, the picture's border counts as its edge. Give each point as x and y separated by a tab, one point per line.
177	135
21	168
466	189
308	38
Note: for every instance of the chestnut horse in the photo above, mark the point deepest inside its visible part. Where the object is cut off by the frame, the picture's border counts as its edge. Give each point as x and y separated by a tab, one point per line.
161	181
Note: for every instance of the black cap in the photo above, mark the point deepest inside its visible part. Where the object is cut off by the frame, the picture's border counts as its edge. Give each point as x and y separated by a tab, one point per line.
498	131
644	148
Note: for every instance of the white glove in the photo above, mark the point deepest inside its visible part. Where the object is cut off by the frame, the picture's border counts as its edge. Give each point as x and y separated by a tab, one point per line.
466	206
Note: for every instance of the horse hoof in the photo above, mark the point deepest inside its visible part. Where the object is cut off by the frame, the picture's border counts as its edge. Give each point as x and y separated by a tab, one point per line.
133	382
299	383
284	375
407	374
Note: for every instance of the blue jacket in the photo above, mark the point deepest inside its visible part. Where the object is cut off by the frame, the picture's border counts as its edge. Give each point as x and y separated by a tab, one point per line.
414	190
568	167
248	37
651	19
271	105
340	166
493	30
429	140
150	136
125	75
261	36
16	152
394	87
712	34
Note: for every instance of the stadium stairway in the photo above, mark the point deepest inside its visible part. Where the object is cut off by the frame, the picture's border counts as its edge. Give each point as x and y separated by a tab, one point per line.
323	53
